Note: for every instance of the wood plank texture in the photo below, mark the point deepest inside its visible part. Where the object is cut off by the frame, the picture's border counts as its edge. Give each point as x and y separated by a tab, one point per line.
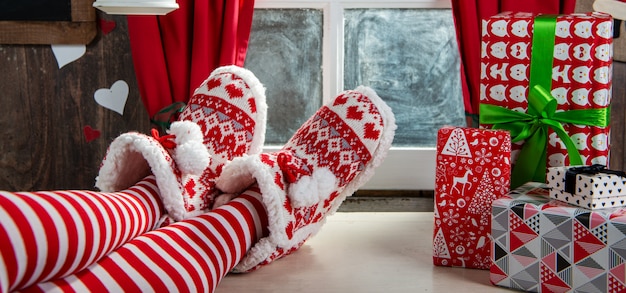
45	32
618	119
46	109
82	29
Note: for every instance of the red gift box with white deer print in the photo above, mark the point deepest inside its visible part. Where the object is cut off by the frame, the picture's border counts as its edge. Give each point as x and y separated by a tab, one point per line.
473	169
581	75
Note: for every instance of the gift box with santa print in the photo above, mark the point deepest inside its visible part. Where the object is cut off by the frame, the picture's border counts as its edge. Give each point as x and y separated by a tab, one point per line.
547	79
473	169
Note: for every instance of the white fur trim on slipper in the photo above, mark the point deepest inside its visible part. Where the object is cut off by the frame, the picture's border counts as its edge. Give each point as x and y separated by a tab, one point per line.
133	155
334	153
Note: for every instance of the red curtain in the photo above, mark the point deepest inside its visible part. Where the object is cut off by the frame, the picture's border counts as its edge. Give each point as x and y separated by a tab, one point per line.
468	15
174	53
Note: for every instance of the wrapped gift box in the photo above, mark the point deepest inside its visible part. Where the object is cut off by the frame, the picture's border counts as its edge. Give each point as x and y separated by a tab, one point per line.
473	169
591	187
581	78
544	245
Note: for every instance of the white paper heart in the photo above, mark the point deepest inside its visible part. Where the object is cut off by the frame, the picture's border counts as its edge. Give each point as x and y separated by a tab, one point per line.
66	54
114	98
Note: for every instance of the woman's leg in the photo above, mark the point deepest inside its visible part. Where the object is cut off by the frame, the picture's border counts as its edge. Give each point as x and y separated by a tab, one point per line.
188	256
53	234
48	235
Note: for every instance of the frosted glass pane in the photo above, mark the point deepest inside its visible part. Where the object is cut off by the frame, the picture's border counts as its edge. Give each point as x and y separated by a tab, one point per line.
285	53
410	57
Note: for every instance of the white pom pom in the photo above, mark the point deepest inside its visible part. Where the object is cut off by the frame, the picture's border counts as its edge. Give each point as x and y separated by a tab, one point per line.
303	192
191	155
310	190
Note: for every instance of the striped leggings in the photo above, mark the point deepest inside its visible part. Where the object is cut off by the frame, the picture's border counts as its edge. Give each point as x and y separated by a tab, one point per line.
80	241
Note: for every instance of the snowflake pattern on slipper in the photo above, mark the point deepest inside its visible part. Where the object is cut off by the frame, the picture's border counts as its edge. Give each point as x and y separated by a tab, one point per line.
328	158
225	118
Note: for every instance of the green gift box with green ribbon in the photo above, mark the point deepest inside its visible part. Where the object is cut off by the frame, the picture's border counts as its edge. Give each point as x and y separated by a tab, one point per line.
547	80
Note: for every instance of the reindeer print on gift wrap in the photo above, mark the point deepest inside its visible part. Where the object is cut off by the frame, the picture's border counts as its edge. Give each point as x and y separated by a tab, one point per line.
473	168
458	146
463	180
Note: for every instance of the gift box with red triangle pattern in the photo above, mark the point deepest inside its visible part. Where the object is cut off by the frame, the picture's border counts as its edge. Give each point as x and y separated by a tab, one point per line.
545	245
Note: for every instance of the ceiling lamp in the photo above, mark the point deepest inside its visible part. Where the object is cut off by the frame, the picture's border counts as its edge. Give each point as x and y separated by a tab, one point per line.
136	7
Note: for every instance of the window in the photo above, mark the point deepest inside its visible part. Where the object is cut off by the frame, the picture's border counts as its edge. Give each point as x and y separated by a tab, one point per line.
306	52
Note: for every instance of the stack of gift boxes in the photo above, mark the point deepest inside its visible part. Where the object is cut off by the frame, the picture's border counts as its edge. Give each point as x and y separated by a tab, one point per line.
528	195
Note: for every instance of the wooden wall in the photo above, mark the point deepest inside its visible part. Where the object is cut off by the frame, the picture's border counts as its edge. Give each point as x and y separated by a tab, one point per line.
42	144
45	110
618	119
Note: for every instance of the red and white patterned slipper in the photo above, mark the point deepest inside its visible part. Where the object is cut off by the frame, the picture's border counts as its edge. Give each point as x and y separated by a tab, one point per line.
224	119
328	158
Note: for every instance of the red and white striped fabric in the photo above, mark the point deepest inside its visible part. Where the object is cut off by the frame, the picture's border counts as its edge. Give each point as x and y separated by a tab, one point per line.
50	234
188	256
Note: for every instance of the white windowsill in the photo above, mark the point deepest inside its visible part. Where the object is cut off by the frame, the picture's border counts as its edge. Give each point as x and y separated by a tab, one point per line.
364	252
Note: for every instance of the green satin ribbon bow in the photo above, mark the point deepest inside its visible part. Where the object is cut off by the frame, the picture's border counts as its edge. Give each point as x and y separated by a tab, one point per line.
533	128
541	114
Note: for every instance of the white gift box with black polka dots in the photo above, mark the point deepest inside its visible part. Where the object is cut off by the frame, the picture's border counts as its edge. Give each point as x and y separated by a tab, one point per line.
592	191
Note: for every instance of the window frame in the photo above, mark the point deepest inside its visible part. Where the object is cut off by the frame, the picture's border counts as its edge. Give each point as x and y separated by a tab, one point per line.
405	168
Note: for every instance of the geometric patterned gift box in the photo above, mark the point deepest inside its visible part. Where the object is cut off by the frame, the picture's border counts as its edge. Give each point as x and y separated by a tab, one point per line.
592	187
473	169
545	245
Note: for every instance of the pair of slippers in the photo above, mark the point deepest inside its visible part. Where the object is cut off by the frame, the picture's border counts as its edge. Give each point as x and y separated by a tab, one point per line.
214	150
